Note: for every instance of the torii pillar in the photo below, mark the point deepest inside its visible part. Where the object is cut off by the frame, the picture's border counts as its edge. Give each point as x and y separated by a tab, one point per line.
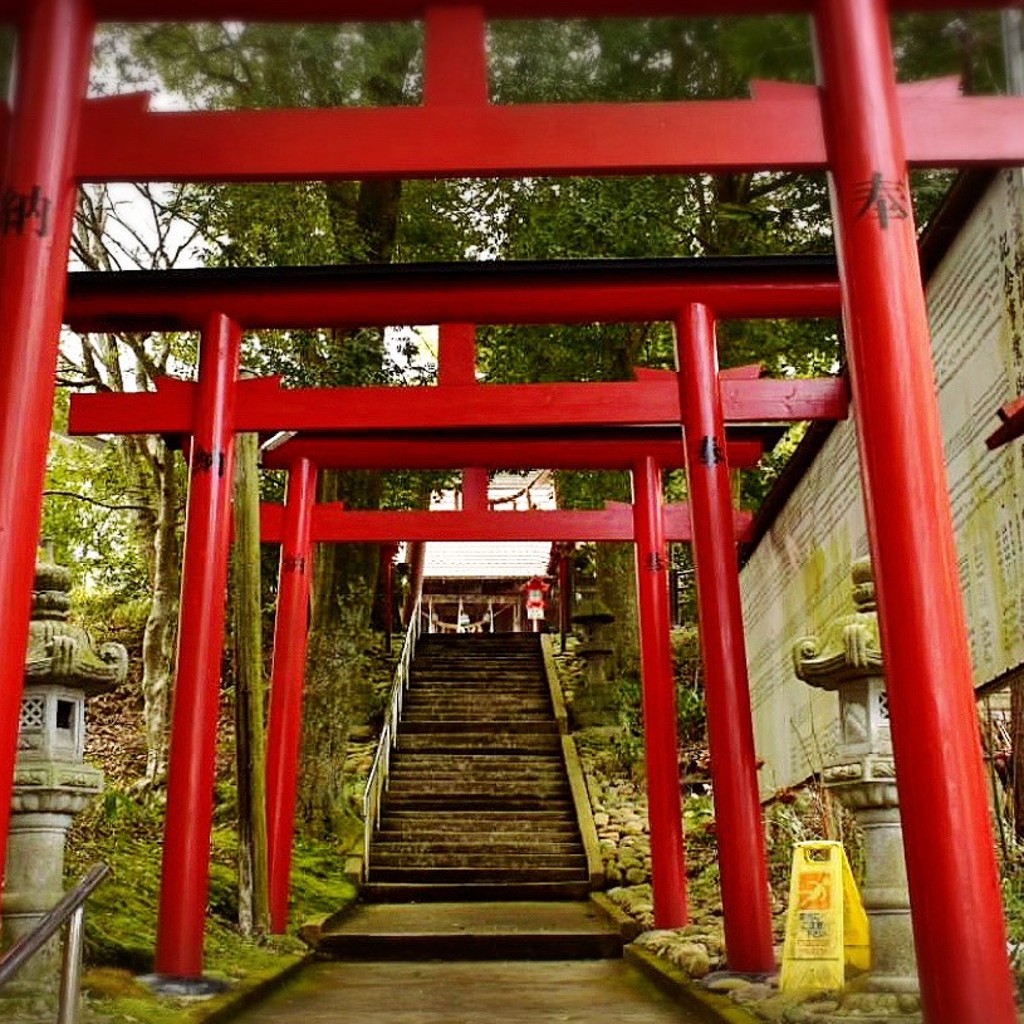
661	742
951	868
196	699
54	51
291	636
746	901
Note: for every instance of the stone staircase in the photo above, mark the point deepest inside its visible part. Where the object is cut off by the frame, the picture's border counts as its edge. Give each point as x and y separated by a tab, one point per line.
479	805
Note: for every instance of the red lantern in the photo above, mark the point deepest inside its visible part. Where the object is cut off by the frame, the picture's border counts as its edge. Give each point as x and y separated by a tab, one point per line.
535	590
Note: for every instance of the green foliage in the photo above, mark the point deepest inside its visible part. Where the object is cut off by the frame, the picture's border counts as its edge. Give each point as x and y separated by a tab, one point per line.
690	710
88	514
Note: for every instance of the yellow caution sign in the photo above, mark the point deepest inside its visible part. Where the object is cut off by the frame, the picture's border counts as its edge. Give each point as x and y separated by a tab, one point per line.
826	927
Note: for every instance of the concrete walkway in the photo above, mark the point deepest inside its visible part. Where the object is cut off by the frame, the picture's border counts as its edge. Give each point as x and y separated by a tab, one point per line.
500	992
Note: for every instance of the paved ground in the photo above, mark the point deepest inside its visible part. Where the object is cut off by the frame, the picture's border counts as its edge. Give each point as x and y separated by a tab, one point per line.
579	917
502	992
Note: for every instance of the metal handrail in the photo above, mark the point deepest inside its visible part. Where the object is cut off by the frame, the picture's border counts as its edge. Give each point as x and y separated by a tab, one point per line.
377	780
71	909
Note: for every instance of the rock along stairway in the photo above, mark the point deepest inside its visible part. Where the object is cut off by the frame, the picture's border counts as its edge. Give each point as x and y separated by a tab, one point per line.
479	804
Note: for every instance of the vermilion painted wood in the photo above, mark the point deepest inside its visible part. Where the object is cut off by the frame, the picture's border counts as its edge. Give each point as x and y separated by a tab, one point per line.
56	44
456	354
661	742
780	132
558	450
332	522
456	364
193	747
455	61
288	671
402	10
954	883
579	291
266	407
742	862
1012	416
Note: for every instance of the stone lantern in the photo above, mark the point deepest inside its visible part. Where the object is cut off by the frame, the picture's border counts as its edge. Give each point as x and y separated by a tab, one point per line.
847	660
52	782
595	704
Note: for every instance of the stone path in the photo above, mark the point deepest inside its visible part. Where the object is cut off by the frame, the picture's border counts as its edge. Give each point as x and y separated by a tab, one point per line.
527	930
501	992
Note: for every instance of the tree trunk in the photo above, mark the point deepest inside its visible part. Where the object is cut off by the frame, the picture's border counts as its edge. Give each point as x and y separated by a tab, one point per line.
1016	769
158	639
250	748
417	555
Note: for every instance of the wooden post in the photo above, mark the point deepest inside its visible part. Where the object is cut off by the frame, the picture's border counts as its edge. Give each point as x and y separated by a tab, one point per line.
250	743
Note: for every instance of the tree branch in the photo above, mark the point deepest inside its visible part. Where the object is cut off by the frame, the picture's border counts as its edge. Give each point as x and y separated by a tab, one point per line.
96	501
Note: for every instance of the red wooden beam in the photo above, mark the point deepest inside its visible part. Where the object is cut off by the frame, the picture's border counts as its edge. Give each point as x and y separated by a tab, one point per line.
547	292
403	10
1012	416
119	144
779	129
553	451
333	522
266	407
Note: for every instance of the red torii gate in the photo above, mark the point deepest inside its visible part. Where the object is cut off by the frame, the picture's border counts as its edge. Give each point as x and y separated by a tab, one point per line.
859	126
300	523
624	411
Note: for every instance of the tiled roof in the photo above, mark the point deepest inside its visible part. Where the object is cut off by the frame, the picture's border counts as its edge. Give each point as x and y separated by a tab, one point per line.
485	559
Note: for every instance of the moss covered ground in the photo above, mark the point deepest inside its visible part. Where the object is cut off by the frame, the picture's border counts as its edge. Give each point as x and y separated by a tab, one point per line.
126	833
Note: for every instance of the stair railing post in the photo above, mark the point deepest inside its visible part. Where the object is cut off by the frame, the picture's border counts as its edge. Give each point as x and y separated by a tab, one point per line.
71	969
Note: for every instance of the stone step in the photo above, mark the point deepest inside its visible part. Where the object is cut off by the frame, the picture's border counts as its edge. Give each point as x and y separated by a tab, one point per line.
450	694
515	709
532	930
412	785
479	744
525	725
478	715
484	683
474	791
462	803
450	688
492	668
431	758
475	777
483	821
469	844
431	892
476	685
430	840
524	860
409	772
475	875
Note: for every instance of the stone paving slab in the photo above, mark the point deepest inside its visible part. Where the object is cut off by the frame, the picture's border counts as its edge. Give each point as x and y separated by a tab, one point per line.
553	992
494	918
525	930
